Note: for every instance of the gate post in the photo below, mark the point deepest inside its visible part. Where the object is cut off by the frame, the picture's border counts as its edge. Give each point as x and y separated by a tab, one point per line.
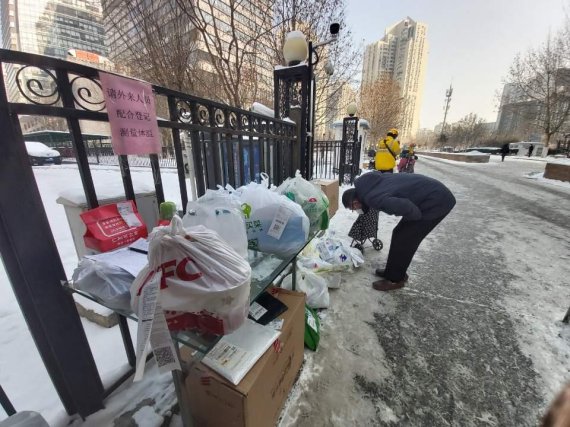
349	140
35	271
293	89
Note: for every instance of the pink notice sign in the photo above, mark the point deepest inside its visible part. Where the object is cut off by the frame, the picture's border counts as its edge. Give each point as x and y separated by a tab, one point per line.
132	115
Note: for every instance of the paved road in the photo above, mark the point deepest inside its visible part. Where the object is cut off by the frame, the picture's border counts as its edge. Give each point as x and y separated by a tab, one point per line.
475	338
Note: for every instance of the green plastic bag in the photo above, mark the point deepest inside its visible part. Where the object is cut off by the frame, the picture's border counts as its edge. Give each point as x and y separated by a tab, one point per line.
312	329
310	197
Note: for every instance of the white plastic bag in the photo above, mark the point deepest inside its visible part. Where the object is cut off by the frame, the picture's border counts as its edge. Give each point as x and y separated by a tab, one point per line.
329	254
312	284
205	284
219	211
274	224
310	197
105	281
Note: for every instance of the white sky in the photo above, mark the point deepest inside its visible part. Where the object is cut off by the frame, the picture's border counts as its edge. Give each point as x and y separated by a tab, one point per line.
471	43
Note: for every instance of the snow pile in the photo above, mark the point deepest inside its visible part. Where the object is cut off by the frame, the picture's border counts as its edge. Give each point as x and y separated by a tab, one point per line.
473	153
561	161
539	177
259	108
281	67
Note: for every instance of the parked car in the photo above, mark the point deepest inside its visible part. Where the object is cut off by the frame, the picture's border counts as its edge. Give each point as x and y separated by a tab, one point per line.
40	154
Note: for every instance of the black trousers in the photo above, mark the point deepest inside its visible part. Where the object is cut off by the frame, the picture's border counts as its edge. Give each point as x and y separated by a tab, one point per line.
406	239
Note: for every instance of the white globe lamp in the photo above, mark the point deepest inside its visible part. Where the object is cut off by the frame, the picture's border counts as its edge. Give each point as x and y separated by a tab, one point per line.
295	49
351	109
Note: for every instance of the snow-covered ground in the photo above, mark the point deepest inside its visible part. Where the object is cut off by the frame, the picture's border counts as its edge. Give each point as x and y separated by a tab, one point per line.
22	373
500	302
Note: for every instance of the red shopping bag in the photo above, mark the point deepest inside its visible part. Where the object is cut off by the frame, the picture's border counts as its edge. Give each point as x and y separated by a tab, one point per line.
113	226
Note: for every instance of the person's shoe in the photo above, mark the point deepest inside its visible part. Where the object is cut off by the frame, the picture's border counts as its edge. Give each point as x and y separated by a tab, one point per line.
381	271
388	285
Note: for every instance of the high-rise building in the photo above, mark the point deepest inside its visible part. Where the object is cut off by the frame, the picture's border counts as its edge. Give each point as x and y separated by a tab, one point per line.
50	27
333	108
402	56
251	18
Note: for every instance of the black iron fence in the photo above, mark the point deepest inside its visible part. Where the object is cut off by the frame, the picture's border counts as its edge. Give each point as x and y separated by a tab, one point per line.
336	160
102	154
227	145
326	158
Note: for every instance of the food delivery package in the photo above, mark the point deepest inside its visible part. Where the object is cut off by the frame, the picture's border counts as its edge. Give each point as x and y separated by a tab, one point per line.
194	280
112	226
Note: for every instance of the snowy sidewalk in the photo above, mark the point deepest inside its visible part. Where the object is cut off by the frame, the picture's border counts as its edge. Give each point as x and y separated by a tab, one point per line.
475	338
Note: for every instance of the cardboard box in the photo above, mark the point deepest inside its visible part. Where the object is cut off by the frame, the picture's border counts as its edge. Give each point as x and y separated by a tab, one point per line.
258	399
330	188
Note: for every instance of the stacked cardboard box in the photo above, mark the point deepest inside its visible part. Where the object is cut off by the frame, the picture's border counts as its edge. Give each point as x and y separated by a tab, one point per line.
330	188
258	399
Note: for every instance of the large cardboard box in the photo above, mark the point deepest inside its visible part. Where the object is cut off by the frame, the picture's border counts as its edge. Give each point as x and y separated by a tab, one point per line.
258	399
330	188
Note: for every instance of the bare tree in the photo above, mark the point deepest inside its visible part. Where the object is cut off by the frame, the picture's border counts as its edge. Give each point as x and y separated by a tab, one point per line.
234	37
542	81
313	18
153	41
382	105
468	131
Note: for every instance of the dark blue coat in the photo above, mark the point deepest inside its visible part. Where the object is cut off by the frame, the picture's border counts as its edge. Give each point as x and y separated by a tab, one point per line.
409	195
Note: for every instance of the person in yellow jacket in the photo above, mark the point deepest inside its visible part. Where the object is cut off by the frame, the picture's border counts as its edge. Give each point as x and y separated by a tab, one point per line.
387	150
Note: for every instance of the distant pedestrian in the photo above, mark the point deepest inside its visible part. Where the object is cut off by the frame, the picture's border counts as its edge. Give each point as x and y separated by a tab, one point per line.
386	152
422	202
504	151
530	149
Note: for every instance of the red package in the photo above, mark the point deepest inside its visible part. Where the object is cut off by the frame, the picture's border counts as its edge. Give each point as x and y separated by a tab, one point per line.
113	226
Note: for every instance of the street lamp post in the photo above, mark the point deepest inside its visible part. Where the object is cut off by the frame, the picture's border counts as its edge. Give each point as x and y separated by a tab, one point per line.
294	86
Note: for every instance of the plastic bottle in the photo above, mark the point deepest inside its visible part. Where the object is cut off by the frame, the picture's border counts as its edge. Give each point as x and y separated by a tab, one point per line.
167	211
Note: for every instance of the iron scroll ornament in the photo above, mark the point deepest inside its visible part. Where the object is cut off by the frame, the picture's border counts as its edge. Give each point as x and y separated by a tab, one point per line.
184	111
41	97
84	96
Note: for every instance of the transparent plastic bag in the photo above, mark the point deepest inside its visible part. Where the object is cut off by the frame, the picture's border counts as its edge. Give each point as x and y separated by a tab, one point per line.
219	211
310	197
312	284
107	282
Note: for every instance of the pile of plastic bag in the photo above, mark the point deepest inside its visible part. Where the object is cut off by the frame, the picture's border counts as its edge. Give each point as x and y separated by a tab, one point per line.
328	254
319	268
310	197
252	217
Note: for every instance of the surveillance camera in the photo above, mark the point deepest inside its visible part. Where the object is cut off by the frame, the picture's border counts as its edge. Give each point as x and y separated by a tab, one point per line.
329	68
334	28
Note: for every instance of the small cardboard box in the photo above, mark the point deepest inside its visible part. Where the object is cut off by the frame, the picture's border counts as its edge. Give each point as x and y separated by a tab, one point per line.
258	399
330	188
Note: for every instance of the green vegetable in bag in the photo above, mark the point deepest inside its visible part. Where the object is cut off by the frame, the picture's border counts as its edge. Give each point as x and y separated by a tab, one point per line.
312	329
